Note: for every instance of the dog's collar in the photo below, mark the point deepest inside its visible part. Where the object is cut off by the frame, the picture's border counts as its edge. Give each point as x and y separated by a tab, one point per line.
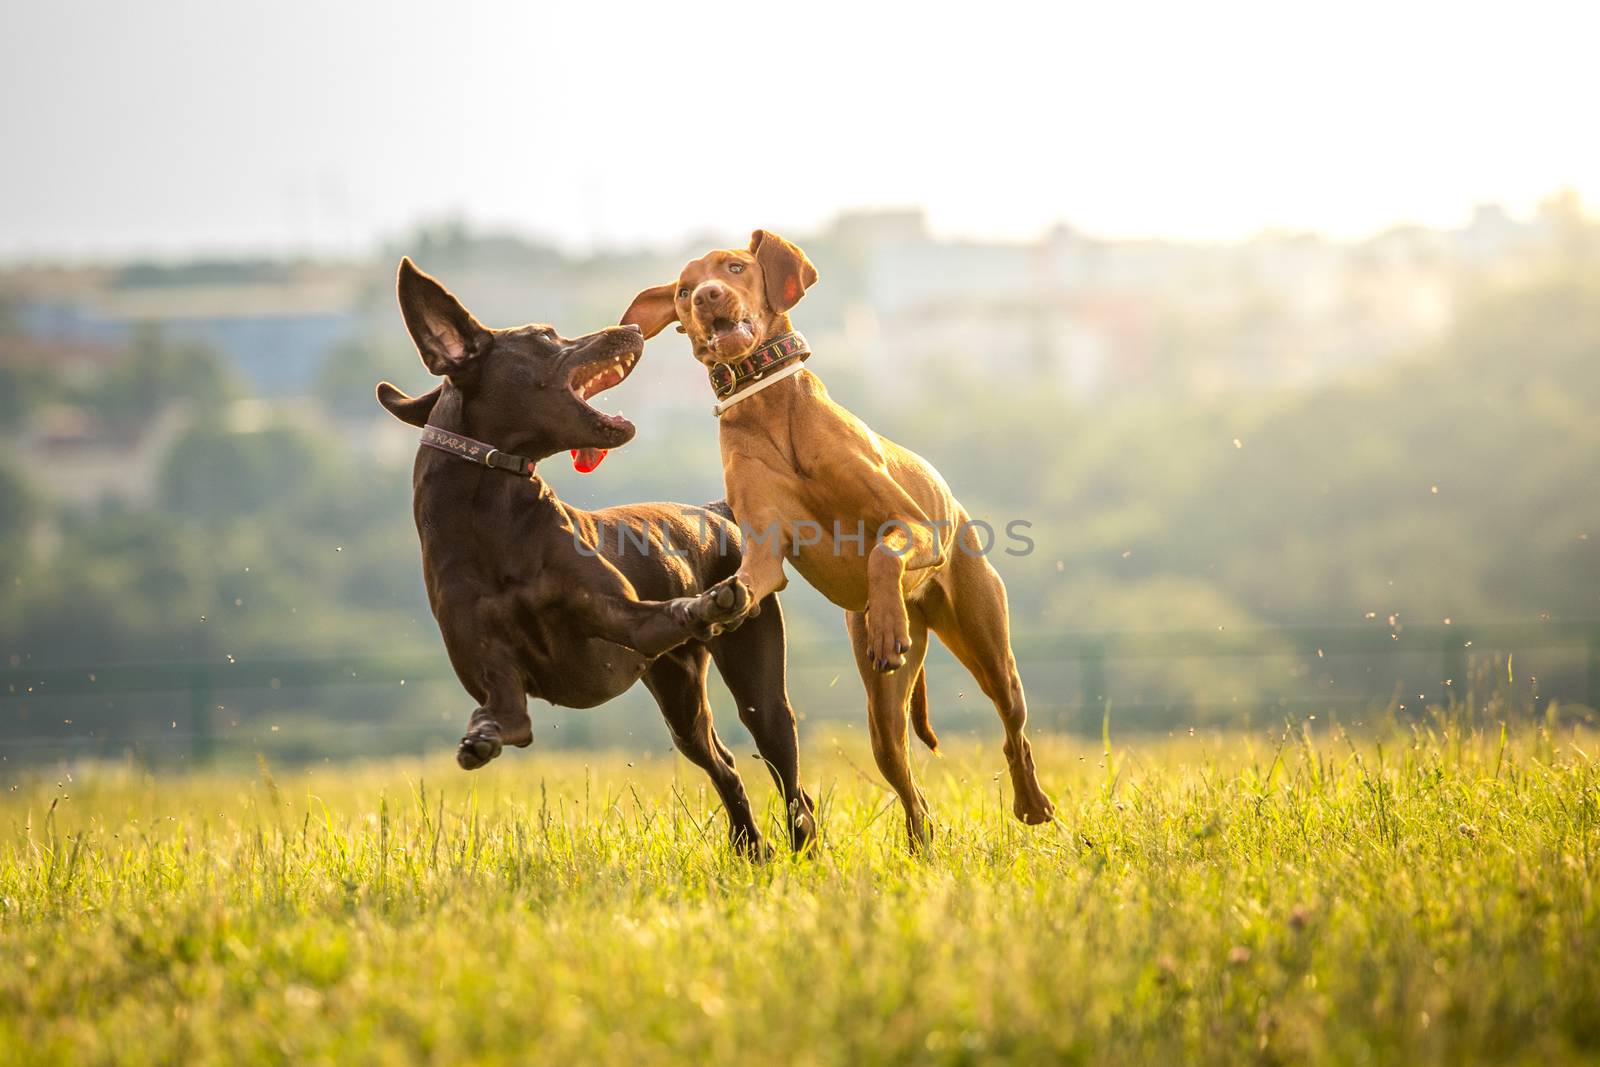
476	451
721	406
783	353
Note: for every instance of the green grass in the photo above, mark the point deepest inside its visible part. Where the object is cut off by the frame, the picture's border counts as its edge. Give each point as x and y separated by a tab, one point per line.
1430	898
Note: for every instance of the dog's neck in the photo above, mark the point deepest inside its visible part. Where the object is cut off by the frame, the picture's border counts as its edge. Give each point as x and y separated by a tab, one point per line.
477	418
449	414
450	480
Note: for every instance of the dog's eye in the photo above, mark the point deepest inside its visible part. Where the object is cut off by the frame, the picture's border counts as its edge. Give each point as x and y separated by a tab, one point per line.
735	268
683	294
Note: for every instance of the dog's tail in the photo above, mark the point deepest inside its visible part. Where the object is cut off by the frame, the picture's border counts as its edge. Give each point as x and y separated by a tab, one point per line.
919	712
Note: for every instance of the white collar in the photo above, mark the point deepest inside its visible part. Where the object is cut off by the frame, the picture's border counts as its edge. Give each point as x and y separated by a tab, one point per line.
790	371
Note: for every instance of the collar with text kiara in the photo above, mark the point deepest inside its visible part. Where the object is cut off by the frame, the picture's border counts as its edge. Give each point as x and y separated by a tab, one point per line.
476	451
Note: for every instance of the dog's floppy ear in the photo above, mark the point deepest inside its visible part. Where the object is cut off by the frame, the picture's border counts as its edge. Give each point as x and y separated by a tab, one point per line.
652	309
446	334
412	409
786	270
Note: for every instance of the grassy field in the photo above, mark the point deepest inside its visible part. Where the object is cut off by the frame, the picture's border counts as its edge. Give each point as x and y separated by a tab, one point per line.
1299	897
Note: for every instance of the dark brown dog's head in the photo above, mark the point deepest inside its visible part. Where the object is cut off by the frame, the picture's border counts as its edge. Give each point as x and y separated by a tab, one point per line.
522	390
729	301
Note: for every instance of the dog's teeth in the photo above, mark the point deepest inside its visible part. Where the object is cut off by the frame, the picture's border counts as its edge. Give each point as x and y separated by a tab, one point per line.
607	373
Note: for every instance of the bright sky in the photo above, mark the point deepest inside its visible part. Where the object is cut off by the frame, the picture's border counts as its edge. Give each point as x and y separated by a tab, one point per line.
213	125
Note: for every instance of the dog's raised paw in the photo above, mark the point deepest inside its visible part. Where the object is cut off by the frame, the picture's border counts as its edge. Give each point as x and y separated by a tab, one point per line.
724	606
887	640
888	659
731	597
475	750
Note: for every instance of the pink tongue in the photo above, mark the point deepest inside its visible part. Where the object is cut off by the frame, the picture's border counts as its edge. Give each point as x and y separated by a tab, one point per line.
585	460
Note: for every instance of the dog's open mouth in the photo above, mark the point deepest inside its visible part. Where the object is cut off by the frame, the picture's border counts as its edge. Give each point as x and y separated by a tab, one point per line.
591	378
731	336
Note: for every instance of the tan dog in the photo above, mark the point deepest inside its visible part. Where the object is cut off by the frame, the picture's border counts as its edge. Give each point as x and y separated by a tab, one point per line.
870	524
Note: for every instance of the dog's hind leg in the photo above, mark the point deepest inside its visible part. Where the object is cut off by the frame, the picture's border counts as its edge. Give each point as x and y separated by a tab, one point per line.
678	682
969	614
751	661
889	716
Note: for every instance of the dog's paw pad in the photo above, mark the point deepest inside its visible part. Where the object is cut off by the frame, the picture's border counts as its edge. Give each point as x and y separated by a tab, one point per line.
722	607
730	597
476	750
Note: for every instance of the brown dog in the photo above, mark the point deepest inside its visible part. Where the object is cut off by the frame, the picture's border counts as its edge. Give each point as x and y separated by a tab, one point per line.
870	524
537	598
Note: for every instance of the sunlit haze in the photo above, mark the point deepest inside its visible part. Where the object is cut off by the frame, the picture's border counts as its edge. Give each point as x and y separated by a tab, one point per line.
170	128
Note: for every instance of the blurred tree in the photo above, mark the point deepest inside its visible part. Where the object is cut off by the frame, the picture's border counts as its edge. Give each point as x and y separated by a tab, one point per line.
18	512
158	372
10	325
13	380
222	476
346	381
16	389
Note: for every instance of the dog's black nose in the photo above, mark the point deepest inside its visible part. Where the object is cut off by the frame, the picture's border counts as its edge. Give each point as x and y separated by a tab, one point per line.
634	326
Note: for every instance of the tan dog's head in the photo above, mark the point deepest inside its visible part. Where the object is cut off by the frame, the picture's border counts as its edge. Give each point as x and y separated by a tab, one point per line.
729	301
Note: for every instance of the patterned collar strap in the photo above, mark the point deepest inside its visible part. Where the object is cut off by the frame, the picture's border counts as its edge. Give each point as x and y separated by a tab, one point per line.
780	352
476	451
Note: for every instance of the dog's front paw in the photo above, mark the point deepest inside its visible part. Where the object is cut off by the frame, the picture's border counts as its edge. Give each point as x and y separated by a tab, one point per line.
477	748
888	641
